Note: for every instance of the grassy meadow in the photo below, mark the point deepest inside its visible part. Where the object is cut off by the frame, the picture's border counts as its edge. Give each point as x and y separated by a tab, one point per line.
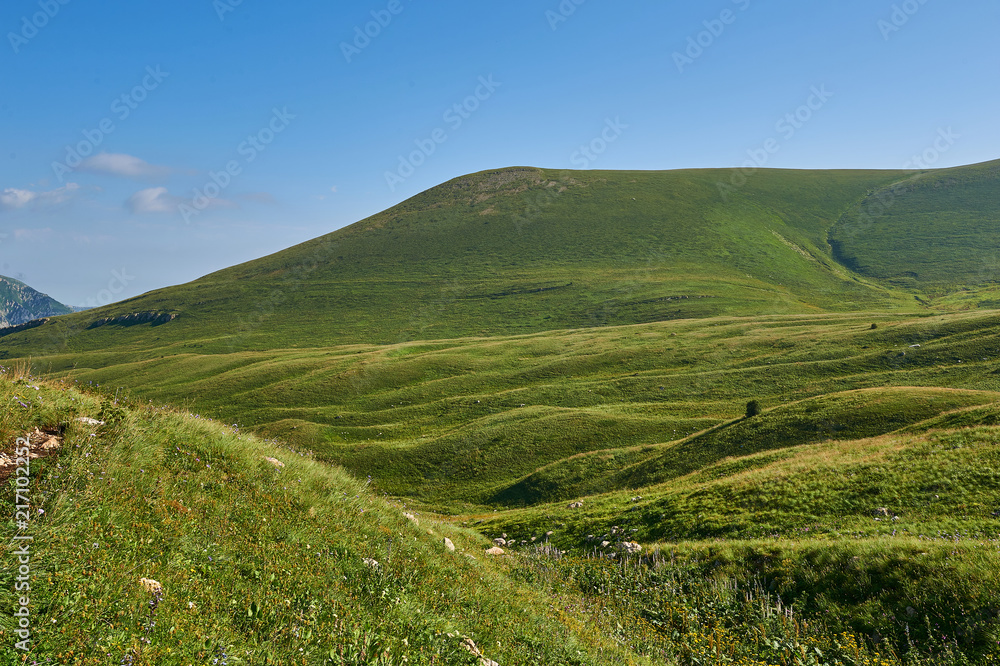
562	360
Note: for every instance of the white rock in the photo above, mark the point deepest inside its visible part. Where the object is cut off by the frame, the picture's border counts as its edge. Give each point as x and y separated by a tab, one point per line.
449	545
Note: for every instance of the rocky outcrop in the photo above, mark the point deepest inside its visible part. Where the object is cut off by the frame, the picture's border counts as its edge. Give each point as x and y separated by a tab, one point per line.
21	327
135	318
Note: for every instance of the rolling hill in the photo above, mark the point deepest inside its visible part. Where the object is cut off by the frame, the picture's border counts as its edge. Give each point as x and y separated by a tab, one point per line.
561	360
517	251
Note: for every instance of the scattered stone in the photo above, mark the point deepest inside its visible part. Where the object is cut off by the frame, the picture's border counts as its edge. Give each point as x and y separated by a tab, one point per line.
151	586
449	545
372	564
274	461
549	533
605	544
631	547
576	505
89	421
411	518
40	445
500	541
470	645
495	551
637	498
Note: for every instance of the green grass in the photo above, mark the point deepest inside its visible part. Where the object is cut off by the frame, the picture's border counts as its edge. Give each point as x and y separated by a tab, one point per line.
527	419
932	231
262	564
265	564
513	340
516	251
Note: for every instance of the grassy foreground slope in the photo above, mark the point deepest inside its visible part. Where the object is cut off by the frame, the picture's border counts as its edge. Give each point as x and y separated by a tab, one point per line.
265	564
260	564
514	251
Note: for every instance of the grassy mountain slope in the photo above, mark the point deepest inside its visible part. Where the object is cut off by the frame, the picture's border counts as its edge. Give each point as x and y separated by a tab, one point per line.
517	251
20	304
933	231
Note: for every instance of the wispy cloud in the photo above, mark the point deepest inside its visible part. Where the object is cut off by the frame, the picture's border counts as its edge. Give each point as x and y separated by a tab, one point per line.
159	200
153	200
13	198
34	235
125	166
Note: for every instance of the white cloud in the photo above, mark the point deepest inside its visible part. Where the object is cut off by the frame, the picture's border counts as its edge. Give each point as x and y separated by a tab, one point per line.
152	200
13	198
159	200
126	166
34	235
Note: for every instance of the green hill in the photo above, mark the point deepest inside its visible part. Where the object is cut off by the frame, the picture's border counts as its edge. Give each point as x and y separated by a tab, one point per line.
516	251
932	231
265	556
501	346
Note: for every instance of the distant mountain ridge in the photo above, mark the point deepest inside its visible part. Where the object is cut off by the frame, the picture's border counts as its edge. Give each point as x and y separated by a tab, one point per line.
20	304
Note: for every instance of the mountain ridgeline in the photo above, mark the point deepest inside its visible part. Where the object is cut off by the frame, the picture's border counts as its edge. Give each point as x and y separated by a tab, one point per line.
522	250
20	304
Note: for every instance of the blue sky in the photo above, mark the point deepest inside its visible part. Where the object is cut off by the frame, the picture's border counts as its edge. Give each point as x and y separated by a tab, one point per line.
148	144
